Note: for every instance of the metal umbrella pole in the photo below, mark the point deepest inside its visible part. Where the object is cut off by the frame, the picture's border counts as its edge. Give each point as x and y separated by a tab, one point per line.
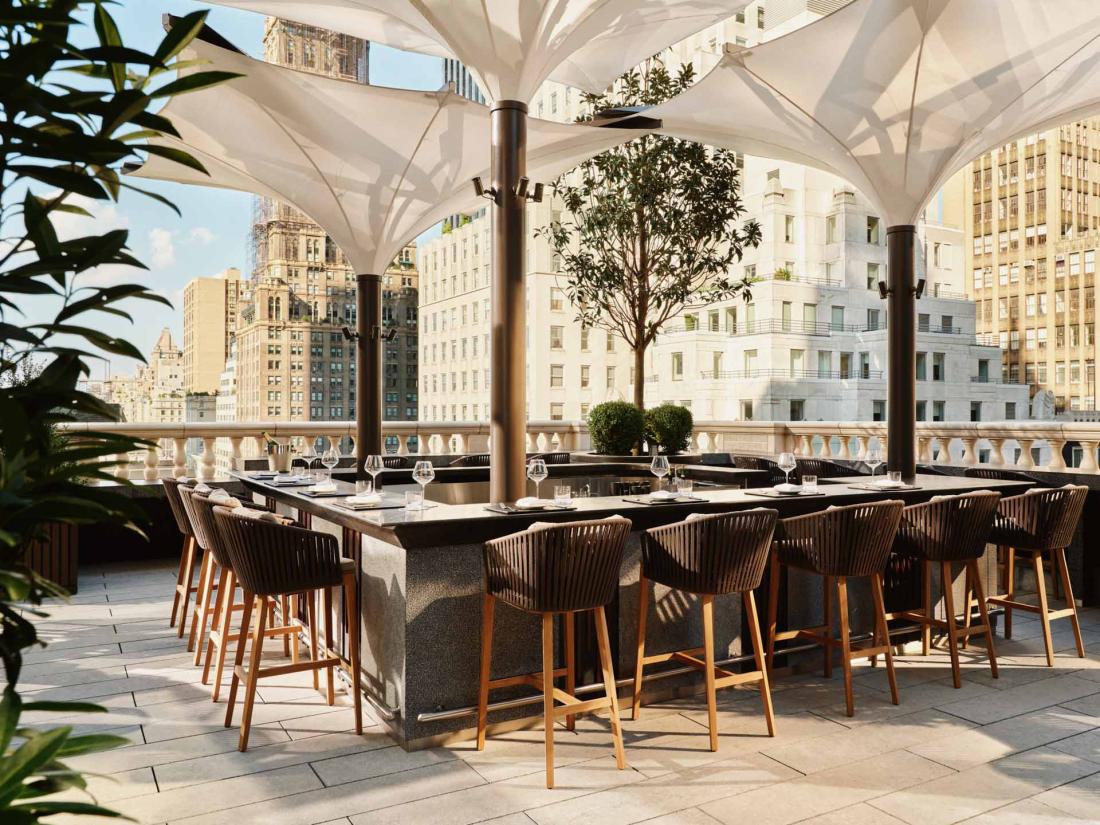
368	370
901	294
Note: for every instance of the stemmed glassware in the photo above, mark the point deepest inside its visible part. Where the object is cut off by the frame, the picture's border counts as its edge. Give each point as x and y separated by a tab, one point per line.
787	463
537	472
330	458
373	465
423	474
873	460
308	456
659	468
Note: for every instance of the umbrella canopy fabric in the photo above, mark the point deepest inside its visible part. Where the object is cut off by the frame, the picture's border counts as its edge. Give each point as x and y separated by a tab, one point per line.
373	166
512	46
897	95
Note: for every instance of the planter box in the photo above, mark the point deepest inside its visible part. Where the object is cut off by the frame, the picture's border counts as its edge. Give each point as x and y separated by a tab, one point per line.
56	558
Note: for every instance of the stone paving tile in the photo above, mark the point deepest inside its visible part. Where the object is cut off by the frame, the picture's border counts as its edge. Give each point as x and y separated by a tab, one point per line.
861	814
972	792
997	705
827	791
1083	745
1029	812
1078	798
691	816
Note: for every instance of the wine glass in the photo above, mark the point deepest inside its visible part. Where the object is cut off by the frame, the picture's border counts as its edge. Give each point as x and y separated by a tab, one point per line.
537	472
873	460
330	458
374	466
659	468
787	463
308	457
423	474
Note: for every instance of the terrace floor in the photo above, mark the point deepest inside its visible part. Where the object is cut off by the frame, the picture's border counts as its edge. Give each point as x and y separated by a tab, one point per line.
1024	748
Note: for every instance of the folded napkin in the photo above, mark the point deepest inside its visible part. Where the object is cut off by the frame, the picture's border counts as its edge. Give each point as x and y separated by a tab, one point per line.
530	502
323	487
662	494
365	498
788	488
287	479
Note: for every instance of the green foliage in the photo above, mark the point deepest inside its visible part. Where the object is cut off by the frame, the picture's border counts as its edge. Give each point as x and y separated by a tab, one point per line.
649	226
782	274
669	426
616	427
71	117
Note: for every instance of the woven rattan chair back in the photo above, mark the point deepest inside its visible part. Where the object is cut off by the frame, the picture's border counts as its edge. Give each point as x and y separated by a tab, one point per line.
172	489
1040	519
845	541
207	532
955	528
560	568
395	462
713	555
479	460
552	458
186	494
997	475
272	559
824	469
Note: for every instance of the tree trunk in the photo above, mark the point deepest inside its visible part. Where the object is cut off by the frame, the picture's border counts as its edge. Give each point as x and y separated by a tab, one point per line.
639	377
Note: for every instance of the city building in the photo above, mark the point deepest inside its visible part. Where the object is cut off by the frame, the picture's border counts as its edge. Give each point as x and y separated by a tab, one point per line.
1032	233
209	324
458	75
154	393
293	360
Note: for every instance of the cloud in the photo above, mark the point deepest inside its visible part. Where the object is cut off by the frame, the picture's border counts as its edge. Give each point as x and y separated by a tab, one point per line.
202	236
162	248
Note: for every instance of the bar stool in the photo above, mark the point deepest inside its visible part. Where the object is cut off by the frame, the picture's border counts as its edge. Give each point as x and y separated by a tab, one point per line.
1038	522
709	555
186	575
549	569
839	543
272	560
221	635
944	530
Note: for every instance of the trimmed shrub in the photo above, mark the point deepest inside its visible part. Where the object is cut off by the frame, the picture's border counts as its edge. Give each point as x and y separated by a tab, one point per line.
669	426
616	427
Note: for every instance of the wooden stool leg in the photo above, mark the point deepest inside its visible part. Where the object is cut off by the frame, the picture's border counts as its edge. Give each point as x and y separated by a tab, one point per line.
1059	556
204	570
351	605
926	601
311	617
748	603
570	667
639	667
295	641
827	604
215	622
884	630
238	659
707	603
1044	615
845	644
330	673
487	605
284	604
603	642
1009	587
180	582
1054	577
983	613
226	629
253	676
952	630
773	609
548	694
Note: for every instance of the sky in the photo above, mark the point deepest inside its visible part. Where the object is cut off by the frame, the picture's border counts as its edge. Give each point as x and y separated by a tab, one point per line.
212	233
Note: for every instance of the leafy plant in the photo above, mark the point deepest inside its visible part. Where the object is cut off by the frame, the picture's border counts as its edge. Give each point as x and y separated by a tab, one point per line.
616	427
649	226
71	116
669	426
782	274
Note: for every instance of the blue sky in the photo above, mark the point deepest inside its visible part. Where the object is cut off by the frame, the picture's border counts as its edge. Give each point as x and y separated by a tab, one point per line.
213	231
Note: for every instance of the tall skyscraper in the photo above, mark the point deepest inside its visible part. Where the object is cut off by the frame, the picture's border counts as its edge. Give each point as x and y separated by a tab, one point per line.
293	361
209	324
455	73
1033	215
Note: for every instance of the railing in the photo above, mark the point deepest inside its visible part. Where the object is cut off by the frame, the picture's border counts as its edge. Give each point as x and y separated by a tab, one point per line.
1040	444
800	279
853	375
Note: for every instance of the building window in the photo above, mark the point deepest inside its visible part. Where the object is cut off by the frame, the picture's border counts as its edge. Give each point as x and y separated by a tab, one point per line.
975	410
610	341
585	379
557	337
557	411
830	229
922	411
557	300
873	233
584	339
788	229
878	410
746	411
922	366
872	276
1010	411
938	367
798	409
937	411
557	375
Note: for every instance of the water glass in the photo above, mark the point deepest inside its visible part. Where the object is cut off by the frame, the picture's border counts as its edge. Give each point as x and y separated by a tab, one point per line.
684	486
563	495
809	483
363	487
894	476
414	499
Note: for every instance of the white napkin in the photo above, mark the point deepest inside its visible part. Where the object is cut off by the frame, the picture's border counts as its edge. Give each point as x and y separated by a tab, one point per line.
662	494
287	479
323	487
886	482
530	503
788	488
365	498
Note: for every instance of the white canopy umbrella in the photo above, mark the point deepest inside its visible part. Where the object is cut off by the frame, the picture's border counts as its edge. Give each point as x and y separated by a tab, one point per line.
373	166
510	47
896	96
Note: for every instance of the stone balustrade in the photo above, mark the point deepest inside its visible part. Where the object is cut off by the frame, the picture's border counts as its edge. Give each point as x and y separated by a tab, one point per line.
1020	444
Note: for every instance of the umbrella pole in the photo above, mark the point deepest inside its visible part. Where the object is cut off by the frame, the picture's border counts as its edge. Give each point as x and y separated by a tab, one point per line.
368	370
901	428
508	390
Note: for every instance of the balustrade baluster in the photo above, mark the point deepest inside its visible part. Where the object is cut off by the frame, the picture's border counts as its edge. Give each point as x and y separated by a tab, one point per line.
1026	461
1088	455
862	444
1057	460
179	457
152	463
996	452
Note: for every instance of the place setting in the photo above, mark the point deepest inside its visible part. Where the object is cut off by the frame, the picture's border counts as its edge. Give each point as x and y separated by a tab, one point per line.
787	462
679	492
537	472
891	481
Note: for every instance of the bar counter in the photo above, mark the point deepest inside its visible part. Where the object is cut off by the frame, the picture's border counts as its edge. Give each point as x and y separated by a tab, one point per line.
421	587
